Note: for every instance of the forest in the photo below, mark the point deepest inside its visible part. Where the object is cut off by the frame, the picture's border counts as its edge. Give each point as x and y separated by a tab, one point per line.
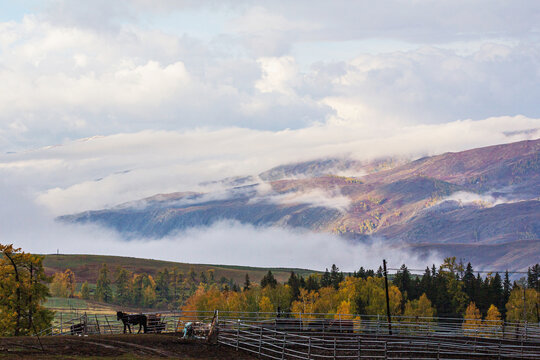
451	290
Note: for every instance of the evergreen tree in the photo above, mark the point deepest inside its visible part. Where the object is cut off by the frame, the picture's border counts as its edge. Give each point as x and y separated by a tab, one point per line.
294	283
496	291
177	279
247	283
103	285
123	290
403	281
163	280
507	288
426	285
469	283
302	282
379	272
533	277
370	273
336	277
361	273
268	280
326	280
85	291
312	283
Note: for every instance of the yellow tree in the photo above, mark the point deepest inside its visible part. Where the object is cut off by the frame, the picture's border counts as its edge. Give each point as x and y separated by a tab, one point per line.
327	301
305	303
421	309
265	306
280	296
59	285
372	295
514	306
23	289
70	282
473	319
493	320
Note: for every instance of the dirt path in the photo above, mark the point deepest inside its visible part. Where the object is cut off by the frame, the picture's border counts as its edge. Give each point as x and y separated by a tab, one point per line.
144	346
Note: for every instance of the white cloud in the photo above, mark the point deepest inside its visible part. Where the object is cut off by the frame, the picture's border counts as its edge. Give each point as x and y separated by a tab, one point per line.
124	167
316	197
485	200
64	82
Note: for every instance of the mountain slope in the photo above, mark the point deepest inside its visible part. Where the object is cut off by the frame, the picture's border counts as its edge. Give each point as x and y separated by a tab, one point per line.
487	196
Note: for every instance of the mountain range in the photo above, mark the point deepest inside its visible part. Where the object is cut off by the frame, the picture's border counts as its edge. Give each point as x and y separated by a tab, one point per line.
481	205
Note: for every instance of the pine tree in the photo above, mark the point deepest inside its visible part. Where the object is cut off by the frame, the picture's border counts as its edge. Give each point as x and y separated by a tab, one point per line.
103	285
247	283
533	277
123	290
426	285
507	287
361	273
326	280
268	280
312	283
403	281
496	291
294	284
469	282
336	277
163	281
85	291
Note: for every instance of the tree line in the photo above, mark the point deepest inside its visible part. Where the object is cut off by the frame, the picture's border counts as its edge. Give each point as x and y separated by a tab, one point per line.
168	289
452	290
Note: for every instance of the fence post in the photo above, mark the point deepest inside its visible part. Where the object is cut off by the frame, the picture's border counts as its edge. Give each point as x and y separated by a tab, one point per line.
385	350
237	333
260	340
335	346
61	324
108	324
283	349
359	347
309	348
438	351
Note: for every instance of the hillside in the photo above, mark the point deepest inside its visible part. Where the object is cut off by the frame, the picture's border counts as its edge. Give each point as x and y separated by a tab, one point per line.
487	196
86	267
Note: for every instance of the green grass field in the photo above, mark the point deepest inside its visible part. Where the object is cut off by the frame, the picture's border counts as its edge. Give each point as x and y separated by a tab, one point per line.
86	267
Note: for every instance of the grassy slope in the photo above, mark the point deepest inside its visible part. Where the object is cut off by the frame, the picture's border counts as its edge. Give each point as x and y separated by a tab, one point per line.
86	267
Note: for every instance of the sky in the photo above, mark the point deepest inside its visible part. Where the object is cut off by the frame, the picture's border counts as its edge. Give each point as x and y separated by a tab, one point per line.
106	102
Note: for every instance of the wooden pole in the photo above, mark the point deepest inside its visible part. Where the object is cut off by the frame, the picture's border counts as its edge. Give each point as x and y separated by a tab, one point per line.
108	324
387	298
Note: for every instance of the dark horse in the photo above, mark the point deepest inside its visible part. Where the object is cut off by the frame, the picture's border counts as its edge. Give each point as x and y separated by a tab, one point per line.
127	319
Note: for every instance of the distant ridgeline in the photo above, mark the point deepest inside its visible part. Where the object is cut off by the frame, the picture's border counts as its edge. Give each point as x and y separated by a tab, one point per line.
452	290
480	205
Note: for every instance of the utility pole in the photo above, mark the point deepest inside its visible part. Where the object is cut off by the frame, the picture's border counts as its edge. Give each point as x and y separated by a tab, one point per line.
387	298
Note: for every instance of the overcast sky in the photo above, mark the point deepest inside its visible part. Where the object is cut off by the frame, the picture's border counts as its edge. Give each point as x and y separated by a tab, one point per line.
108	101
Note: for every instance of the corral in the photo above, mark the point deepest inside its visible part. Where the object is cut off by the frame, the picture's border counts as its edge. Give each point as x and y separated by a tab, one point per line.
317	336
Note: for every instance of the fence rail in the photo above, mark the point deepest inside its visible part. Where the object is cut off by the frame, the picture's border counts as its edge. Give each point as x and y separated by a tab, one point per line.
306	324
267	342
